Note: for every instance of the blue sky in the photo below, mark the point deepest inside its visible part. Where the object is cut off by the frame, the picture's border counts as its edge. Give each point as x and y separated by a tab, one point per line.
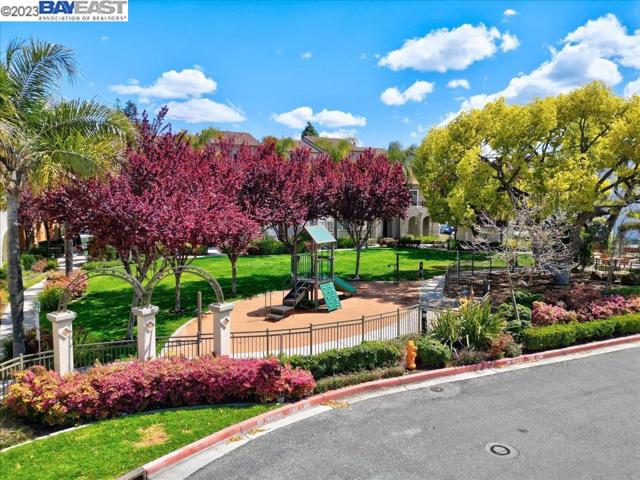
266	67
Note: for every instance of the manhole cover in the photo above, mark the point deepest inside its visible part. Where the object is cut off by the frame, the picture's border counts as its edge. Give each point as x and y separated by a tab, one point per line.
437	389
501	450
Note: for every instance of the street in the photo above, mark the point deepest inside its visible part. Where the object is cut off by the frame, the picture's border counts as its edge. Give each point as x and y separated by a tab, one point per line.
578	419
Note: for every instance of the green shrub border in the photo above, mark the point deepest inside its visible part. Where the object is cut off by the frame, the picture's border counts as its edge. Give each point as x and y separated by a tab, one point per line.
340	381
366	356
551	337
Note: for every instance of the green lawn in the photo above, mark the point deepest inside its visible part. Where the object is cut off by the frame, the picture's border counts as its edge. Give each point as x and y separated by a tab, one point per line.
104	310
109	448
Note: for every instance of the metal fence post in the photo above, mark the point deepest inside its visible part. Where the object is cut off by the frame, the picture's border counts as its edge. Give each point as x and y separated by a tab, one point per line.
362	328
267	342
311	339
199	311
21	357
398	323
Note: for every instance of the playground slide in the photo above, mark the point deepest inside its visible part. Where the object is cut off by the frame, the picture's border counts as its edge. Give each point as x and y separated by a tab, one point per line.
343	285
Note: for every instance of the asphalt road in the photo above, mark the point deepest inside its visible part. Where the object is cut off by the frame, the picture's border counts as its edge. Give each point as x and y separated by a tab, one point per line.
578	419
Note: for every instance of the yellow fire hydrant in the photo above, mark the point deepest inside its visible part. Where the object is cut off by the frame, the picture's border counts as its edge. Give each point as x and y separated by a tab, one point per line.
412	351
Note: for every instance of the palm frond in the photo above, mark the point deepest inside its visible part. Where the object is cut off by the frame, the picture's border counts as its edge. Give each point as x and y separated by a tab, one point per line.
76	155
36	68
83	117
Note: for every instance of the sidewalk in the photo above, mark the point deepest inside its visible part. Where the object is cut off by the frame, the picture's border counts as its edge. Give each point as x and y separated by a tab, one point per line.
30	296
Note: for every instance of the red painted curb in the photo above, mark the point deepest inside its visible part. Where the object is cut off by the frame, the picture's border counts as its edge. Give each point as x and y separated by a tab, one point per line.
199	445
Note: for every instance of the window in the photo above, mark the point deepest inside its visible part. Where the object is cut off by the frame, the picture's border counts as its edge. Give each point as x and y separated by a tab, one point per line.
414	198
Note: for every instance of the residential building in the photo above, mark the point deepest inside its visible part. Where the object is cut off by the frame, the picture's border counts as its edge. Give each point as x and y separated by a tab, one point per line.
417	223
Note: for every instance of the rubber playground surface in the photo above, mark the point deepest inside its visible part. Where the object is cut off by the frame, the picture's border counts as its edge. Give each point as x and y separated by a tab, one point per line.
372	298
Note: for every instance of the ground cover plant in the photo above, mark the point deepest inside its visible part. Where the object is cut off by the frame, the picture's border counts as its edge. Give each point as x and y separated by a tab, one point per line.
44	397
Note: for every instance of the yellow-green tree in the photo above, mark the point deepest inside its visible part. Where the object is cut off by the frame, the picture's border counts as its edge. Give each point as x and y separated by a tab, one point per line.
578	152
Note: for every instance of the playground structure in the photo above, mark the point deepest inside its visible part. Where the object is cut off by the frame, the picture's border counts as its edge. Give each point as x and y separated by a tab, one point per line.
313	273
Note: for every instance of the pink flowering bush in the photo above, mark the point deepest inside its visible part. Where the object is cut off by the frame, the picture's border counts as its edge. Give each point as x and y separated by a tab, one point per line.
77	282
573	298
546	314
127	387
607	307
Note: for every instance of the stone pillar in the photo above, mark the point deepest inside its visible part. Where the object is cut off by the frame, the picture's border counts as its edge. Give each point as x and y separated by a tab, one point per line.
146	331
221	328
61	323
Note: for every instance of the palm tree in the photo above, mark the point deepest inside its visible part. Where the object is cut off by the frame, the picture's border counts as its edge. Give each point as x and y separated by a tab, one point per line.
43	138
337	150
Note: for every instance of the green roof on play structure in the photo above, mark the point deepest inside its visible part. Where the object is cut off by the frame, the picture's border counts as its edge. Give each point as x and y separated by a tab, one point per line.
320	235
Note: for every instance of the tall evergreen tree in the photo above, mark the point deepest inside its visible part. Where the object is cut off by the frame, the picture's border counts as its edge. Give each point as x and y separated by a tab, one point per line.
309	131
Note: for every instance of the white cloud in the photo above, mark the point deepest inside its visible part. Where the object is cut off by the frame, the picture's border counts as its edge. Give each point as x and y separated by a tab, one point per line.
459	83
306	55
349	134
443	49
509	42
298	117
415	93
190	82
592	52
337	119
632	88
363	56
608	38
196	110
104	38
419	132
509	12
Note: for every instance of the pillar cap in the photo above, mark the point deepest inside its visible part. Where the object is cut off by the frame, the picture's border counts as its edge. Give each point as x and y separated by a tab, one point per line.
221	307
65	316
144	311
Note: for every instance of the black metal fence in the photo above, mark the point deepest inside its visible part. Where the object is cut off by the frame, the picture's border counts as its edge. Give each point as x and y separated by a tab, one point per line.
474	274
321	337
22	362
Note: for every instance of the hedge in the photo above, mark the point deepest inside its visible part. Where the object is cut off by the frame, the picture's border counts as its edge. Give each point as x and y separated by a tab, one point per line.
121	388
366	356
339	381
432	353
563	335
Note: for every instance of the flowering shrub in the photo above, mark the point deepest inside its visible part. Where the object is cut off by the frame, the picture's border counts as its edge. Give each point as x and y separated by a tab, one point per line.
577	296
608	306
546	314
77	281
127	387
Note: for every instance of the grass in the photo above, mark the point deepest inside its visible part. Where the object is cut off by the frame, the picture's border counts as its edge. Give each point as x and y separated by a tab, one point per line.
104	310
29	278
626	291
110	448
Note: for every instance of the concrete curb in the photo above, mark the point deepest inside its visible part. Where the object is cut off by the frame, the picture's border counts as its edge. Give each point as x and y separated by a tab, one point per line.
198	446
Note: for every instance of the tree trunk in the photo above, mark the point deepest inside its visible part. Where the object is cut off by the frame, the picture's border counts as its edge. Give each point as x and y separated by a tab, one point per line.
234	276
513	295
294	262
16	288
68	251
132	318
177	307
358	250
47	235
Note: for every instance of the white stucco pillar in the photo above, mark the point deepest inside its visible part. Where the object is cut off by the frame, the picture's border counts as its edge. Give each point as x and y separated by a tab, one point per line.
221	328
62	325
146	317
